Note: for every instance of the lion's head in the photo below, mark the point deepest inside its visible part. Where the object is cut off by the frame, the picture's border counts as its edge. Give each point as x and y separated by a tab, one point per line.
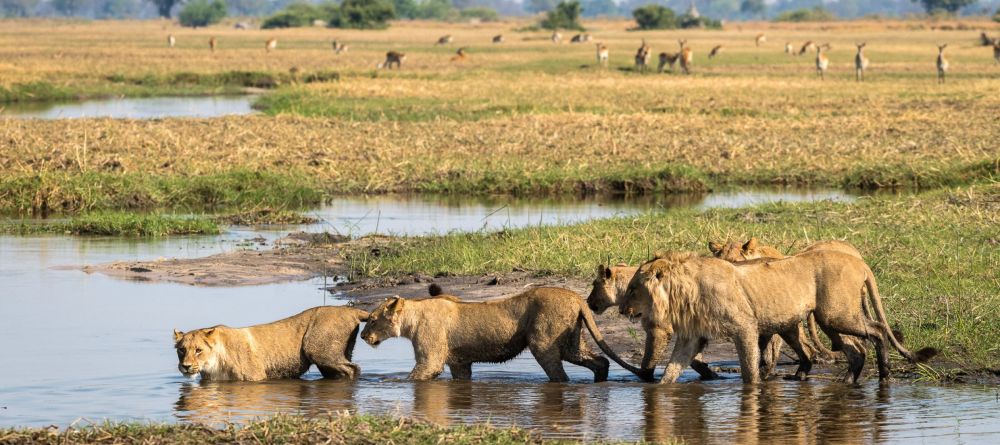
196	350
736	252
610	282
384	322
651	289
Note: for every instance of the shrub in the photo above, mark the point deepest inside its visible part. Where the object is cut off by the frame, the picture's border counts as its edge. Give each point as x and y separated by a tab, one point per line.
202	13
482	13
565	16
655	17
434	9
362	14
294	16
686	21
817	14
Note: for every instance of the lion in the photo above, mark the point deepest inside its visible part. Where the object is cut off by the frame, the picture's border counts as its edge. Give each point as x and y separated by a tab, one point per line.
446	330
609	287
703	298
322	336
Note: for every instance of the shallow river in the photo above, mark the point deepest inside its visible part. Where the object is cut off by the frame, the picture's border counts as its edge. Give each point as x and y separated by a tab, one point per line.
88	346
133	108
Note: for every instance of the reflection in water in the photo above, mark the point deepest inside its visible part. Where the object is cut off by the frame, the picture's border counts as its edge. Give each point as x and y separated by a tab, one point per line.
134	108
725	412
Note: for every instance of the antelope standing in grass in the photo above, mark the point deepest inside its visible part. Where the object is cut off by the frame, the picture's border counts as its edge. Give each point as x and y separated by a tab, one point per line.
642	56
498	38
942	63
602	55
339	47
808	46
271	44
860	62
996	50
822	63
668	59
460	55
715	51
393	58
789	49
985	39
445	39
556	37
171	41
580	38
760	40
686	56
212	43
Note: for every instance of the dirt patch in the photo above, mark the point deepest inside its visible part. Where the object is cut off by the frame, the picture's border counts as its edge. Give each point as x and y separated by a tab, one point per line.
298	256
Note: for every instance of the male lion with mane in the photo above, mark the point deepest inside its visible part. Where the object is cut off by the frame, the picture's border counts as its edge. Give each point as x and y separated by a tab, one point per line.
446	330
323	336
711	298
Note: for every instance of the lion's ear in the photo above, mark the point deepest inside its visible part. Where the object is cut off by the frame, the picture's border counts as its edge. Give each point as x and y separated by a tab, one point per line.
659	275
600	269
208	332
607	273
396	306
715	247
750	245
177	335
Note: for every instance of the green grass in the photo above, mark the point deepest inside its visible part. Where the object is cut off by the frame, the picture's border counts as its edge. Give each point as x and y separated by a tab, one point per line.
278	430
117	224
96	191
935	254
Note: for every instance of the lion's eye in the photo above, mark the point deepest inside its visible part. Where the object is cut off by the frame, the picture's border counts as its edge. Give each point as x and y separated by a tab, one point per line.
197	350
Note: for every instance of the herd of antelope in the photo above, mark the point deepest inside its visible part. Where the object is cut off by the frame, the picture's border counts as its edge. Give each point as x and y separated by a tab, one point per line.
684	56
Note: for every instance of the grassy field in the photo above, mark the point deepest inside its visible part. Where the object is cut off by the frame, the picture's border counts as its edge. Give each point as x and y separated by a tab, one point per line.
525	117
934	254
277	430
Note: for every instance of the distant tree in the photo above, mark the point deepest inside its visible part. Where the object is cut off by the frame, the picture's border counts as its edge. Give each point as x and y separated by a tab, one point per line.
753	8
362	14
655	17
951	6
598	8
17	8
247	7
536	6
996	16
479	12
163	7
434	9
69	7
117	9
295	15
565	16
405	8
202	13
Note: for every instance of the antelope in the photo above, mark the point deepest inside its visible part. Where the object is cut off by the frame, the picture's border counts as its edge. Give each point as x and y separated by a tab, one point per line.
171	41
556	37
271	44
212	43
668	58
393	57
822	62
498	38
942	63
996	50
985	39
459	55
339	47
686	56
860	62
808	46
760	40
715	51
580	38
602	55
642	56
789	49
444	40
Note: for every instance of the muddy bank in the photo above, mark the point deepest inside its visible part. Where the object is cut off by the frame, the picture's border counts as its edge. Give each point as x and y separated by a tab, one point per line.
298	256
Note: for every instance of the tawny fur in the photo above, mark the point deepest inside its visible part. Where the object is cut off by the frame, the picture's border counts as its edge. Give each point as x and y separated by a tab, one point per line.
642	56
822	63
271	44
668	59
602	55
704	298
171	41
447	331
686	57
339	47
860	63
609	288
212	44
498	38
715	51
393	58
445	39
760	39
460	55
322	336
942	63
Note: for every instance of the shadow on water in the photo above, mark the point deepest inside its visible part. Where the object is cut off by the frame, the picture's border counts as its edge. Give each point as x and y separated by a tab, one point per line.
134	108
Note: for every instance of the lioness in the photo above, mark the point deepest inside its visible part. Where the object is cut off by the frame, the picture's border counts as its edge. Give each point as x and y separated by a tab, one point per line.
446	330
708	297
609	288
323	336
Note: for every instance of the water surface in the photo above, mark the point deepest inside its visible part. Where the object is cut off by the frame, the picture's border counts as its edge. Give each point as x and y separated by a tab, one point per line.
133	108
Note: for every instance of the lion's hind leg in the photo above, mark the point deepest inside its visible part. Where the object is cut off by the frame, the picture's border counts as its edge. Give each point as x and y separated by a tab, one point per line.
550	358
579	353
794	338
342	370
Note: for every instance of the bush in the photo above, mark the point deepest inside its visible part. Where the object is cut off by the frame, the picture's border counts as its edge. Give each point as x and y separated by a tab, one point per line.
434	9
817	14
565	16
482	13
202	13
362	14
655	17
686	21
294	16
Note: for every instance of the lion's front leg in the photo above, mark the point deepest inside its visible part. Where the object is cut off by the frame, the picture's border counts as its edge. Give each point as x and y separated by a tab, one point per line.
656	343
430	361
749	352
684	351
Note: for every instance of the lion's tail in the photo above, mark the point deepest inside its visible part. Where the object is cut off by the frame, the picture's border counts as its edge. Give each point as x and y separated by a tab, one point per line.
922	355
588	319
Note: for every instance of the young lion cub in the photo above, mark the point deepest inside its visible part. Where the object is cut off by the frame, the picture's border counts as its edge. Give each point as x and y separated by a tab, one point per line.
445	330
323	336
